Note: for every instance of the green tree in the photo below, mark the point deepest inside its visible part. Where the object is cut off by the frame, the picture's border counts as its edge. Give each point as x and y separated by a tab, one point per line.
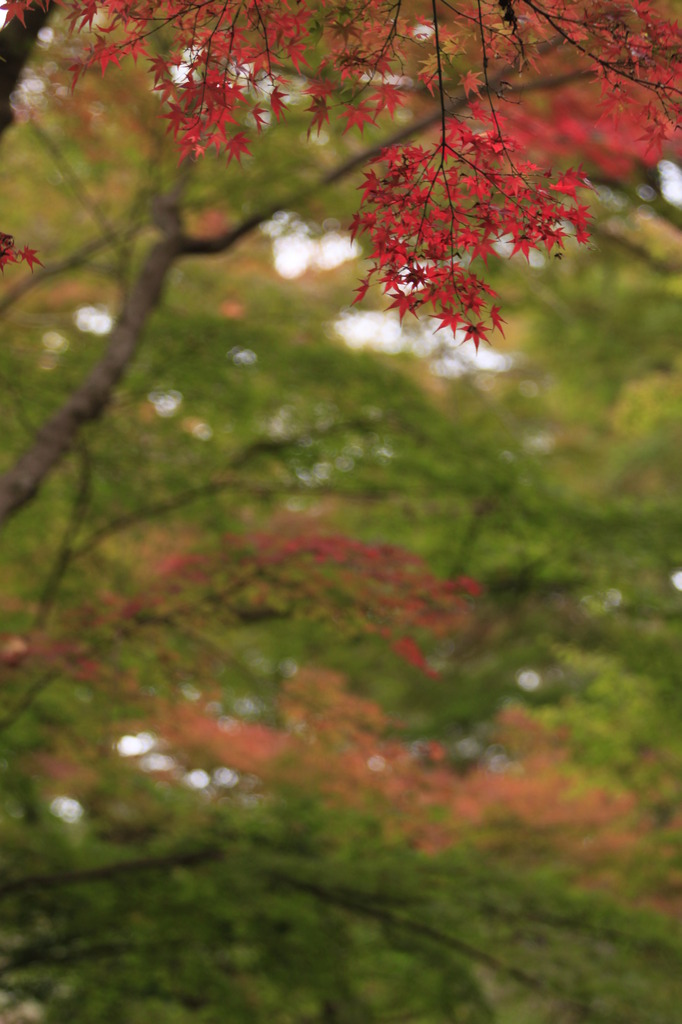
259	762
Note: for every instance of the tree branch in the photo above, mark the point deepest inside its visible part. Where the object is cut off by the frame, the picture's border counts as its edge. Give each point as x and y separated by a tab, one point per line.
88	401
620	236
359	903
106	871
363	905
77	259
25	702
194	246
65	551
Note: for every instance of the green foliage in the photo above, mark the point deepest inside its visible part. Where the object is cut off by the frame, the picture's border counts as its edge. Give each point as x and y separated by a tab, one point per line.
275	896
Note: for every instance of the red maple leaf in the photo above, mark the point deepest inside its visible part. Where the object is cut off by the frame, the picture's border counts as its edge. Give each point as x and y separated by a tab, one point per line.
236	146
471	82
14	9
358	116
29	256
277	98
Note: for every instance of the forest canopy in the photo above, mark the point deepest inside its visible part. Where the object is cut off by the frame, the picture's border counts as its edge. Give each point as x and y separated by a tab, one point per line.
339	649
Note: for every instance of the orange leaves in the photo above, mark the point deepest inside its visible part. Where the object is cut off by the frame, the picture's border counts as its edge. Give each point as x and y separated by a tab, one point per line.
205	741
341	749
311	737
471	82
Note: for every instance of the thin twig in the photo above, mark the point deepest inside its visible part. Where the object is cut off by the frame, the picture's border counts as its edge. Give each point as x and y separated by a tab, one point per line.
65	552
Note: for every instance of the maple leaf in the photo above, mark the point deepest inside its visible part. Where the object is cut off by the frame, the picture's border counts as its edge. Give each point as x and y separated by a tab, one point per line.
29	256
318	108
360	292
471	82
569	182
408	649
404	303
236	146
14	9
449	318
258	113
358	116
277	98
496	319
106	56
388	98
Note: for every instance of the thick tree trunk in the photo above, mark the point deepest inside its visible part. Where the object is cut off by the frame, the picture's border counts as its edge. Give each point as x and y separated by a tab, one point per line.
16	43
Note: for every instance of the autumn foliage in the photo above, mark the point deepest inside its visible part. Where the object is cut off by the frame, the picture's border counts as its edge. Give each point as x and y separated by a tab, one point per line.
319	739
295	771
434	211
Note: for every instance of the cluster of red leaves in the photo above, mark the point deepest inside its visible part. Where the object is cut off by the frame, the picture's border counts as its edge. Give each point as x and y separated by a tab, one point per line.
10	254
229	68
613	150
321	741
370	588
361	588
431	212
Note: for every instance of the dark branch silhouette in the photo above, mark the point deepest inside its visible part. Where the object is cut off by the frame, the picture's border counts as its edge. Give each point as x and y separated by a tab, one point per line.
16	44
